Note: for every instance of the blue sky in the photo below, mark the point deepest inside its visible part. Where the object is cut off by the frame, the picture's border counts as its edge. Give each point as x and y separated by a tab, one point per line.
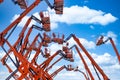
87	19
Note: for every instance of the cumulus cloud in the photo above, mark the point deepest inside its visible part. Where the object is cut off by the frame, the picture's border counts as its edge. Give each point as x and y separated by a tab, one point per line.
87	44
82	15
104	58
54	47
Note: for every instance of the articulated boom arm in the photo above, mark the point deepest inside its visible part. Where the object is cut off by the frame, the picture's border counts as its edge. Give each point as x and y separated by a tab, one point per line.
12	25
89	56
100	42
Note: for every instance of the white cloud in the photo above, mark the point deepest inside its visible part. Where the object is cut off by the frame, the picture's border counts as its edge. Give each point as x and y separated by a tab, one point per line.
82	15
53	25
69	75
105	58
54	47
1	54
24	20
36	14
87	44
4	74
103	19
